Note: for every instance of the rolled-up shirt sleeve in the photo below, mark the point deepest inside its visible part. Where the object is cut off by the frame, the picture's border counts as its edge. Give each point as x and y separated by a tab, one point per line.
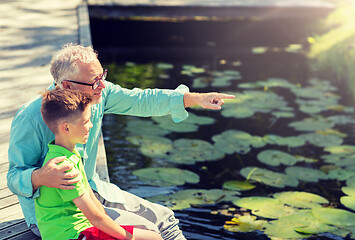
25	149
147	102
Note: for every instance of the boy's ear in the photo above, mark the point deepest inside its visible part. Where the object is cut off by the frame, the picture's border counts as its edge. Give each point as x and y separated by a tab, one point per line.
64	127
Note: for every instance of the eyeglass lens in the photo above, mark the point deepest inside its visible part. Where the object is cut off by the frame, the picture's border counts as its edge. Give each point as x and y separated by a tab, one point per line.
103	77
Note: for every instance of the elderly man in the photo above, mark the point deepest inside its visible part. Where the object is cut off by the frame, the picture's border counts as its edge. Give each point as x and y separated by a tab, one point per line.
77	67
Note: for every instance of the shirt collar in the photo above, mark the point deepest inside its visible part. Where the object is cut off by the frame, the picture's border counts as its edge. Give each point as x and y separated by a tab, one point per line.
72	156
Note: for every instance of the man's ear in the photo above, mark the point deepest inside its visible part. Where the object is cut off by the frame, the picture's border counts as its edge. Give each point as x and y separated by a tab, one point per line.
65	84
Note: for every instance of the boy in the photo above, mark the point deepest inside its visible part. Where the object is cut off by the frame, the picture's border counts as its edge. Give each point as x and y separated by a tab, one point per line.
72	214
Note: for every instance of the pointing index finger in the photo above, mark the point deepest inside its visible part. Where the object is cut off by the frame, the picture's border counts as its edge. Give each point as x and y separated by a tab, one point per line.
225	96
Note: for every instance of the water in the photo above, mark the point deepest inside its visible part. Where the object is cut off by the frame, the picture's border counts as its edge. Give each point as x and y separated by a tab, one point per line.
197	222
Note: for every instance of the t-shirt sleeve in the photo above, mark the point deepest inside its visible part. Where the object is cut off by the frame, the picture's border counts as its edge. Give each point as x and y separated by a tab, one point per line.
80	188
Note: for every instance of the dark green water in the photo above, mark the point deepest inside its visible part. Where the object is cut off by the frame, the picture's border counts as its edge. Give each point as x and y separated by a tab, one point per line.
145	44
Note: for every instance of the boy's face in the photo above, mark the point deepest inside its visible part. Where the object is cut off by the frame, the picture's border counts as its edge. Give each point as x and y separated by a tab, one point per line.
80	127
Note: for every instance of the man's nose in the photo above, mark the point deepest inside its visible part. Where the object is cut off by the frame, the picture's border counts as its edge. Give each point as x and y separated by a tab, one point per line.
102	84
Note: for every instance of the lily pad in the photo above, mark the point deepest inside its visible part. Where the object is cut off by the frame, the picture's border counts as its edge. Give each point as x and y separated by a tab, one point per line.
166	176
341	174
231	141
341	150
238	185
348	202
152	146
300	199
144	127
349	190
186	198
246	223
275	158
310	124
189	151
268	177
321	140
264	207
306	174
333	216
284	141
296	226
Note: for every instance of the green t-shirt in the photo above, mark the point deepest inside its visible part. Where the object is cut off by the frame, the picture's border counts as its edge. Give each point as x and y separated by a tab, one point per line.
57	216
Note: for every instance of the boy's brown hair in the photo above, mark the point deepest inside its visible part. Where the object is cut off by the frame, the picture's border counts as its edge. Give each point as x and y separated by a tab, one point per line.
62	104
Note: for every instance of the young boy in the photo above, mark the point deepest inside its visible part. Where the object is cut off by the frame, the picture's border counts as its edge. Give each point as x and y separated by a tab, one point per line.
74	214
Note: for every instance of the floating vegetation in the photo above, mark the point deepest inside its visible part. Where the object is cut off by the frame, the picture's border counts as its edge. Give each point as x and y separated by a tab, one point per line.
306	174
189	125
250	102
267	177
187	198
166	176
321	140
231	141
312	124
309	157
238	185
295	215
275	158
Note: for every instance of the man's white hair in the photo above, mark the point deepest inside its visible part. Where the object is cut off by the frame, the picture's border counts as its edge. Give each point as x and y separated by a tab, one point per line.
64	62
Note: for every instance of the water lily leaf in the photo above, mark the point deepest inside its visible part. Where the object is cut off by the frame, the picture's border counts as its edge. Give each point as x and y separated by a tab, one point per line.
311	125
337	217
166	176
259	50
144	127
341	150
350	181
238	185
340	174
231	141
341	119
264	207
268	177
348	202
306	174
201	82
285	226
246	223
300	199
186	198
194	150
284	141
275	158
349	190
332	132
165	66
322	140
152	146
238	112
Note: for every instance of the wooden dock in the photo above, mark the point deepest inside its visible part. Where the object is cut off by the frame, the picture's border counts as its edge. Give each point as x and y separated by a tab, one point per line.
31	31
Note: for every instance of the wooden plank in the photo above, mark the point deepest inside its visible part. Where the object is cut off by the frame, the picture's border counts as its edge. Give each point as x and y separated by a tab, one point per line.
5	192
17	230
8	201
4	167
84	25
11	212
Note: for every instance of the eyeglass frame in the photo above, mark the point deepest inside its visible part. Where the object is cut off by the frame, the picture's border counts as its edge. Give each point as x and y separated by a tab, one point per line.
102	78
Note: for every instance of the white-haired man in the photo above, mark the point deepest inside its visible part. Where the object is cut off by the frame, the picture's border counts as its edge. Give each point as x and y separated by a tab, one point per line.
77	67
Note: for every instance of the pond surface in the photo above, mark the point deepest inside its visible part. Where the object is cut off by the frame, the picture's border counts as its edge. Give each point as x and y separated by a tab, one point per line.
275	92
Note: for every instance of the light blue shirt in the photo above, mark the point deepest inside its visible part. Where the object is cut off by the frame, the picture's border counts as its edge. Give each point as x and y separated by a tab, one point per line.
29	137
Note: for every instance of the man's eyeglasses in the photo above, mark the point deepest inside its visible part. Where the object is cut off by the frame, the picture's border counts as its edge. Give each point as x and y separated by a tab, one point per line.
95	84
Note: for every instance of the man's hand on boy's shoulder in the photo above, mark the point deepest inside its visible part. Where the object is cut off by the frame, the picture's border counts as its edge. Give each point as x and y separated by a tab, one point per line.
55	174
